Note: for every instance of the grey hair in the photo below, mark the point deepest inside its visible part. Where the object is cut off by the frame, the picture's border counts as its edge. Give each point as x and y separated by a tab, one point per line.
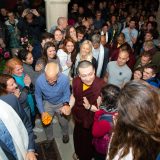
96	38
60	20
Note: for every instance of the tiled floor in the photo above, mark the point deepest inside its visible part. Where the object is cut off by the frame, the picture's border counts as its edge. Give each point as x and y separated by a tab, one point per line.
58	150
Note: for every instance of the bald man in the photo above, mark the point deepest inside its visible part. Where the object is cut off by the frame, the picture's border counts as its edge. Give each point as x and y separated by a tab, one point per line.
52	93
118	73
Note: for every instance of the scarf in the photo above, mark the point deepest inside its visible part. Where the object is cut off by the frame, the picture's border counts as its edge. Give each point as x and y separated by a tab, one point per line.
20	81
99	58
16	129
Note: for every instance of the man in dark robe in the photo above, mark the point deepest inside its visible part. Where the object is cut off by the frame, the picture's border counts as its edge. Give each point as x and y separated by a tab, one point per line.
85	87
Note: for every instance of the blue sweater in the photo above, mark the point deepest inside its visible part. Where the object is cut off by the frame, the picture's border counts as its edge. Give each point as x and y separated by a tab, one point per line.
154	82
54	94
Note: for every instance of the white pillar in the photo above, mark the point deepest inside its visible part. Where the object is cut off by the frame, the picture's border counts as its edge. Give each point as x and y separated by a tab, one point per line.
55	9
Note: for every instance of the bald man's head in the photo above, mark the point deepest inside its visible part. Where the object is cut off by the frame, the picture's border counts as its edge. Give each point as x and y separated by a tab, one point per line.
51	72
123	57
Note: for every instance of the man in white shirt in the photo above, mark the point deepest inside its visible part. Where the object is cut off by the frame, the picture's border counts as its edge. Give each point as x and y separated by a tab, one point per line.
131	33
100	53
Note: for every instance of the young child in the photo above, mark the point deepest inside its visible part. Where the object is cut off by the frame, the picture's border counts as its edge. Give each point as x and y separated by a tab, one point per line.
103	120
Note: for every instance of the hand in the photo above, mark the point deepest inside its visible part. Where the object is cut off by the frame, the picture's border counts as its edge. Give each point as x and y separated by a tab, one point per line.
44	114
27	80
99	101
31	156
105	78
115	116
109	24
38	67
69	64
94	108
2	44
25	12
34	11
88	106
17	93
72	101
86	103
66	110
46	118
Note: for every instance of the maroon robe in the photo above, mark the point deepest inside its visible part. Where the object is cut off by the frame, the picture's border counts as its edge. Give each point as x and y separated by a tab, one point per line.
84	118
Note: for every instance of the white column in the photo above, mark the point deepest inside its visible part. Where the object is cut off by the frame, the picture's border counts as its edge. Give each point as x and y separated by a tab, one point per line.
55	9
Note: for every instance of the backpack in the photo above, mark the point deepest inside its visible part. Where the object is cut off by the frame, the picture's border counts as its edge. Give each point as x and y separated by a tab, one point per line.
101	143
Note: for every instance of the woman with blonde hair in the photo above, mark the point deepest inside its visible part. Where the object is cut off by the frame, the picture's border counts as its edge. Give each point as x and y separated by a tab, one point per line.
137	131
85	54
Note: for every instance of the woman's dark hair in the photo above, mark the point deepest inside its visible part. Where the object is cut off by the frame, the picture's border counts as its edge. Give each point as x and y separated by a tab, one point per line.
81	29
68	31
3	83
137	128
73	54
22	54
140	69
57	29
110	94
122	35
46	35
45	48
58	43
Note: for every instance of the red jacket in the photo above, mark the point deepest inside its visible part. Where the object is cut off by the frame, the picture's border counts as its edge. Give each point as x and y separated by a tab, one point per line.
101	127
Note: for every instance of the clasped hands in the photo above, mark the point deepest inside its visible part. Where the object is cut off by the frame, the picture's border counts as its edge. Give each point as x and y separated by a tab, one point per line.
66	110
90	107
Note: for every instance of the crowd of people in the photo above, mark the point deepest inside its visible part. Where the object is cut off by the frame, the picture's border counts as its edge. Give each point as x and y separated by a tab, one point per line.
101	65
